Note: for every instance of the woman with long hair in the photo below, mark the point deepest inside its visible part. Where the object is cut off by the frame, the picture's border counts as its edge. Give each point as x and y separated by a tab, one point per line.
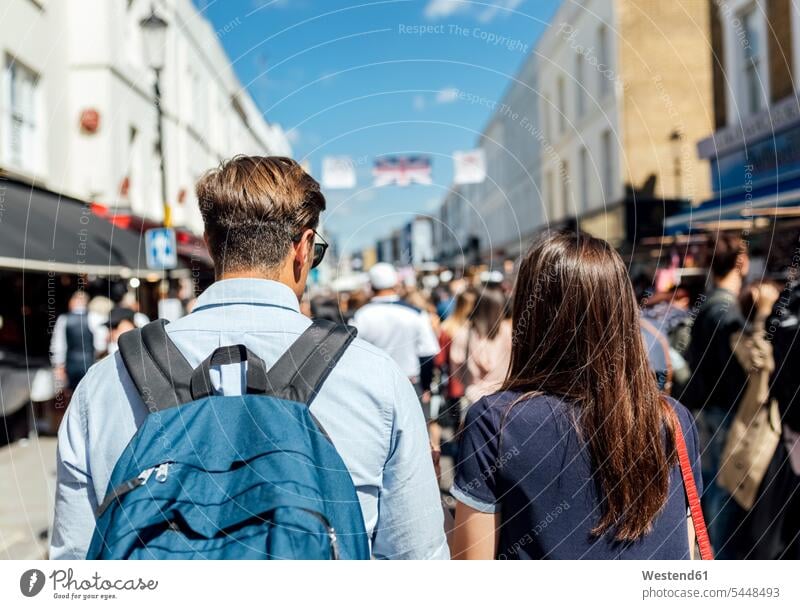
481	349
575	456
455	322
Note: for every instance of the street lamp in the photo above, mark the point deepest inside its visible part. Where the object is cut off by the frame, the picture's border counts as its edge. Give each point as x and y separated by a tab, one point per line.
154	38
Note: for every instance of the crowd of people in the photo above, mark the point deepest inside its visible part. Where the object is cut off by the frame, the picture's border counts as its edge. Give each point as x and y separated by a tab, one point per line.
88	331
582	415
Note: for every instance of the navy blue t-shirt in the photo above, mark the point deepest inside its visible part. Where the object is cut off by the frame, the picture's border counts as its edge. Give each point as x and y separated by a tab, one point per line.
526	462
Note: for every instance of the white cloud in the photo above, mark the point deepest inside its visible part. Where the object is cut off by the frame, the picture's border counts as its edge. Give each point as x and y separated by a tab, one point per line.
438	9
259	4
493	11
293	135
443	96
447	95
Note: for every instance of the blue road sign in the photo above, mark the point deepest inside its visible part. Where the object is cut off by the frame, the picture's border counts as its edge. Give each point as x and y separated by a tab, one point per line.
162	249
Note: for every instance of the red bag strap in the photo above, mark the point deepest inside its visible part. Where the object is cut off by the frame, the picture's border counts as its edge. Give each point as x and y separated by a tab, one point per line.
700	531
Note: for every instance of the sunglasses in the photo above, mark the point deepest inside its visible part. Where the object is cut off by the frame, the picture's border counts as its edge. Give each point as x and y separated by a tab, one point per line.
320	247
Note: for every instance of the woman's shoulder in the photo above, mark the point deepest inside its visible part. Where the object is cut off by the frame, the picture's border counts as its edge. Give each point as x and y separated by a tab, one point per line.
508	405
684	415
688	426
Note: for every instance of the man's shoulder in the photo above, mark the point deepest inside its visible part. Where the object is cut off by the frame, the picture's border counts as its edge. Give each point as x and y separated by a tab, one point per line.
108	380
104	372
106	391
362	355
368	369
719	301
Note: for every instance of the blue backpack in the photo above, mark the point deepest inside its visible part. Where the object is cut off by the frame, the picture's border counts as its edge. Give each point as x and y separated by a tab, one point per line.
230	477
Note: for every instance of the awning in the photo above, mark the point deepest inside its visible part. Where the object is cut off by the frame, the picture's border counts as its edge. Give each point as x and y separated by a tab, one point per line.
191	248
44	231
735	206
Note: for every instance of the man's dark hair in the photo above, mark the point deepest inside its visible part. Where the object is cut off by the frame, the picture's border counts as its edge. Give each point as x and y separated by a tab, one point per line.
725	256
252	207
326	307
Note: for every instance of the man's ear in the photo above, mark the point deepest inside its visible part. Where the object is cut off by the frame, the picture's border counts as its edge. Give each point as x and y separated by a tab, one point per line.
304	247
743	264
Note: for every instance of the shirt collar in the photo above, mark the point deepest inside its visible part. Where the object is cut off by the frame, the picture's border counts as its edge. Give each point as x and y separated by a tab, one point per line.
248	291
389	298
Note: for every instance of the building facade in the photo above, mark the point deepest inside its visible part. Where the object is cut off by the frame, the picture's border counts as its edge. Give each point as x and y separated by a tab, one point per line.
33	90
79	112
597	130
754	151
496	218
626	88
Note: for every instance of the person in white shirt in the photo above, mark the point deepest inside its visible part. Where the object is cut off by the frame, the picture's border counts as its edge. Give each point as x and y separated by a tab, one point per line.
78	336
399	328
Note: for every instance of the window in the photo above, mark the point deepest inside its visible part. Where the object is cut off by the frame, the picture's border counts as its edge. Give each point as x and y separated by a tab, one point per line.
21	146
135	176
584	169
562	112
753	60
608	166
550	194
547	108
580	101
604	72
565	206
200	102
189	91
494	153
195	102
133	40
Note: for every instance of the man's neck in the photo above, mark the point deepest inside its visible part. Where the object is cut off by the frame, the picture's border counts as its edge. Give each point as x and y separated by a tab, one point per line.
260	275
731	282
385	293
246	275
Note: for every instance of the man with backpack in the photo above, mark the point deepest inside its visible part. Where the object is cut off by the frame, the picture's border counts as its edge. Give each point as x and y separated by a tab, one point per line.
316	447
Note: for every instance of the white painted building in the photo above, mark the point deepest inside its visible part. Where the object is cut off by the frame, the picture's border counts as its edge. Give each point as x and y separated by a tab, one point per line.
71	63
33	89
496	218
579	111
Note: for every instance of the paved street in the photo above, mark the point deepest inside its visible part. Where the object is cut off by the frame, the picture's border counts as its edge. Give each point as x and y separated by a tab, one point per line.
27	482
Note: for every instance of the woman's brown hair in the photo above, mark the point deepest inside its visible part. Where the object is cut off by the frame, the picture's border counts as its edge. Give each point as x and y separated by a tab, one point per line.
465	303
489	312
576	336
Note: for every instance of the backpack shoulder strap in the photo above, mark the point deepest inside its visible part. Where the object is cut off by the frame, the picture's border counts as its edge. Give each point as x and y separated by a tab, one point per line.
300	372
159	370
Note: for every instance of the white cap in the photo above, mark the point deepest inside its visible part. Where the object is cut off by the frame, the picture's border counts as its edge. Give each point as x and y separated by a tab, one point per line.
491	277
382	276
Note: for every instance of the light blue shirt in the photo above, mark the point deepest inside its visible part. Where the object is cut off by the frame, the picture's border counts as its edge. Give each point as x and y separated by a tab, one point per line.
367	406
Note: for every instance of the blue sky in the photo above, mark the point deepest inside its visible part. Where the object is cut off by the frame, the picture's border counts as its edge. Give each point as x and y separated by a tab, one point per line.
366	78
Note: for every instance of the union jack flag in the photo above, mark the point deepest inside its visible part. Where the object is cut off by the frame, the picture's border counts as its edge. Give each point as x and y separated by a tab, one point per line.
402	170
